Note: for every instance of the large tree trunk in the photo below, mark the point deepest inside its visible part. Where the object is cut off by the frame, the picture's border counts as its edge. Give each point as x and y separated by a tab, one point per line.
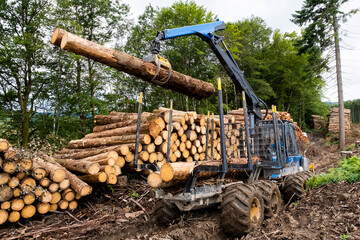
339	84
123	62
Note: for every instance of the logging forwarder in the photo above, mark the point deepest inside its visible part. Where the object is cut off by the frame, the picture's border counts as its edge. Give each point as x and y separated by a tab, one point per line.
248	191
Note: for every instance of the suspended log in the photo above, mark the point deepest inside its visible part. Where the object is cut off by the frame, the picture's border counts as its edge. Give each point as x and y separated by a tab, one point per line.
139	68
95	142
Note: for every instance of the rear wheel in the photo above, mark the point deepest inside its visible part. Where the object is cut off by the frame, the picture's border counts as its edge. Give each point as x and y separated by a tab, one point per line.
242	209
294	185
271	196
165	212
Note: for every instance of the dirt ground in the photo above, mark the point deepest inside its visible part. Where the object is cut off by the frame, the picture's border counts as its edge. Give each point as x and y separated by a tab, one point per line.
328	212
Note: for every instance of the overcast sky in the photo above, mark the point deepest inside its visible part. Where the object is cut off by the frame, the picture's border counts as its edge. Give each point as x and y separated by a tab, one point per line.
277	14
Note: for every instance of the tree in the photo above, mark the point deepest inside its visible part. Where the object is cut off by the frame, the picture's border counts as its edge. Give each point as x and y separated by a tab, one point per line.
23	55
98	21
323	17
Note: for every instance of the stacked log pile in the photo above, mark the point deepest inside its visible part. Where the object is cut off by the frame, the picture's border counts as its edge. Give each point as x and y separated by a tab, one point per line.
239	117
334	120
35	183
318	122
112	143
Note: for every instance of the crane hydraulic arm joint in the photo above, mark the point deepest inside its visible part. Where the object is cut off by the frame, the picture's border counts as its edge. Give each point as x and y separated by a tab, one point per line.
206	32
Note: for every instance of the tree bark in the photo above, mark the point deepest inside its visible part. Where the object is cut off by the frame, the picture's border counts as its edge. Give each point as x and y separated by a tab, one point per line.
108	141
339	84
123	62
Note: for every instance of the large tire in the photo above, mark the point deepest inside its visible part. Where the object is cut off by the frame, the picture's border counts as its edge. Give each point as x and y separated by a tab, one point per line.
271	196
165	212
242	209
294	186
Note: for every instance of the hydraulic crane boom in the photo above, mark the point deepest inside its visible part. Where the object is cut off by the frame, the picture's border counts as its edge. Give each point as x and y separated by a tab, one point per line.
207	33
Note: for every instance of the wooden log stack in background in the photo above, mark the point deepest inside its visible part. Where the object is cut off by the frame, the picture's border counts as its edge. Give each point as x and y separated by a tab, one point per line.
333	124
239	117
33	183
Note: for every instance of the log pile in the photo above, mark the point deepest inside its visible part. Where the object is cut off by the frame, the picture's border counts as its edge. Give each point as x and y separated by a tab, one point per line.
35	183
112	143
334	120
239	117
318	122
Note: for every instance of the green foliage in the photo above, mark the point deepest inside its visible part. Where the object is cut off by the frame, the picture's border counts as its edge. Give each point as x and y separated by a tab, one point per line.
351	147
134	194
343	236
347	170
354	106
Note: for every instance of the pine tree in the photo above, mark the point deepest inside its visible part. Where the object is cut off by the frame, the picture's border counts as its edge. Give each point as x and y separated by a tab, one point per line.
322	18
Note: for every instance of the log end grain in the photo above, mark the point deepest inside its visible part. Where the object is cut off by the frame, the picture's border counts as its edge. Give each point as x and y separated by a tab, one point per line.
166	172
28	211
3	216
154	180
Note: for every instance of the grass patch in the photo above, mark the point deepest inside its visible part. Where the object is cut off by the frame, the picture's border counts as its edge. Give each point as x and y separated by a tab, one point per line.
351	147
347	170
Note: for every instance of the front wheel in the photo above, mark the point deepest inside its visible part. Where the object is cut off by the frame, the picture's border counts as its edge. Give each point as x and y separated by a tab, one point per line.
242	209
271	196
295	185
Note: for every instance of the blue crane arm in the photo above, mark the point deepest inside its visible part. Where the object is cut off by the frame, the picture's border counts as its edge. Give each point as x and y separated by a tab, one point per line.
206	32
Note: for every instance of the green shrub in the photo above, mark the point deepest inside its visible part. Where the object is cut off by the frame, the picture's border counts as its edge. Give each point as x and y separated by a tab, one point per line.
347	170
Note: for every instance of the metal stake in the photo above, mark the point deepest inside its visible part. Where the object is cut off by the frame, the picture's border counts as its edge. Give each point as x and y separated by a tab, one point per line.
169	135
222	130
136	165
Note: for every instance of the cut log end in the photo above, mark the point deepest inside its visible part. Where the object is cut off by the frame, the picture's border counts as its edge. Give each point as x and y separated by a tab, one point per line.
3	216
167	172
14	216
154	180
28	211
